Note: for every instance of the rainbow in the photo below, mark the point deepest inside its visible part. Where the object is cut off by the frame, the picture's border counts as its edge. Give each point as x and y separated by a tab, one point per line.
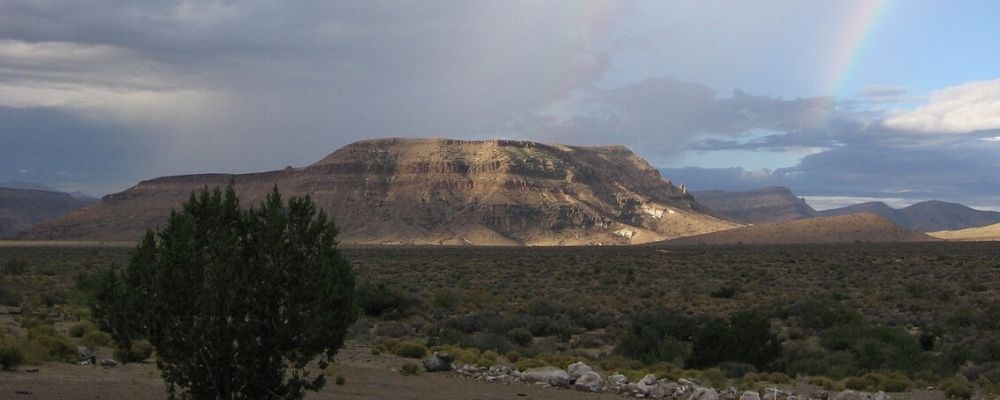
861	20
585	25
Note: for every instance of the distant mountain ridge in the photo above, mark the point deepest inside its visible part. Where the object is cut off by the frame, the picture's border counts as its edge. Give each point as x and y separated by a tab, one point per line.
771	204
20	209
439	191
927	216
779	204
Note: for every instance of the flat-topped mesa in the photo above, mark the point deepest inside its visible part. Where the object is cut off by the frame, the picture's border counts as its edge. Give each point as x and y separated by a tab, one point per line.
445	191
465	159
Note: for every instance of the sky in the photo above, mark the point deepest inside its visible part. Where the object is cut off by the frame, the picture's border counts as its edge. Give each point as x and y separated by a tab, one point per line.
835	99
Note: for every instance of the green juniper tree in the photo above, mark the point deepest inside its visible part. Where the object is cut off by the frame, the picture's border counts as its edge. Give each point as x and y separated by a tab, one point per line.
236	303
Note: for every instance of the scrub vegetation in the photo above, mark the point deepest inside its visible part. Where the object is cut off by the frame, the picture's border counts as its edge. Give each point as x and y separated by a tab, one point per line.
861	316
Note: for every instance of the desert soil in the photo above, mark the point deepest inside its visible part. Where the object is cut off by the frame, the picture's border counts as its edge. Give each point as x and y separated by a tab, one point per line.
367	377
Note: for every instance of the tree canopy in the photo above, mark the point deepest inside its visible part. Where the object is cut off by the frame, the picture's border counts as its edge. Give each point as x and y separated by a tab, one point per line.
236	302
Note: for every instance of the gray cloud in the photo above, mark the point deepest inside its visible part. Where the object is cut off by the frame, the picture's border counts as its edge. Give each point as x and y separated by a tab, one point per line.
660	117
961	171
168	87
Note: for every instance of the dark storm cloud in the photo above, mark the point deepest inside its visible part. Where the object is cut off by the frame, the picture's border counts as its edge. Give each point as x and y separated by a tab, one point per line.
64	150
279	83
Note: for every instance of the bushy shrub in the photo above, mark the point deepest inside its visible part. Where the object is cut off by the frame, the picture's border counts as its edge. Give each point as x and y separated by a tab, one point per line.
512	356
378	300
735	369
137	351
410	349
409	369
520	336
858	383
875	347
81	328
653	336
7	296
528	363
958	388
10	354
96	338
894	385
724	292
44	343
543	307
824	382
746	338
14	266
824	313
446	299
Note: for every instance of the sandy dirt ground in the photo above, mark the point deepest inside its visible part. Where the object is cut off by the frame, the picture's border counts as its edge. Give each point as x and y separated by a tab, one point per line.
367	377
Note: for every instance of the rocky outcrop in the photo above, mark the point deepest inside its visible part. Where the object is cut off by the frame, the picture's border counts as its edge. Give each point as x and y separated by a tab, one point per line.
440	191
582	377
552	376
590	381
439	362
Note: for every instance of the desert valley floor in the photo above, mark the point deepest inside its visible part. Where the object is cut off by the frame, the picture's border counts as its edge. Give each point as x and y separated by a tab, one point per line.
584	297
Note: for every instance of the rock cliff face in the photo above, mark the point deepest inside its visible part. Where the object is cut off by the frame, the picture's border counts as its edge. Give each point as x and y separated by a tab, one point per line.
437	191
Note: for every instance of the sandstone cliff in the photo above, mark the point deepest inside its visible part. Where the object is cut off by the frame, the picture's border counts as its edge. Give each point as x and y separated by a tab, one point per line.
438	191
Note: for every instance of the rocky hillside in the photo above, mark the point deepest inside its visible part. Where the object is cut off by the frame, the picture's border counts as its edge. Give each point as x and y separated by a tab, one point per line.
772	204
20	209
839	229
982	233
928	216
437	191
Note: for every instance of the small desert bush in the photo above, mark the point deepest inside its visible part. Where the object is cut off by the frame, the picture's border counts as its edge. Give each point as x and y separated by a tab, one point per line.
520	336
137	351
44	343
736	369
14	266
528	363
410	349
381	300
957	387
96	338
409	369
462	355
81	328
825	383
10	354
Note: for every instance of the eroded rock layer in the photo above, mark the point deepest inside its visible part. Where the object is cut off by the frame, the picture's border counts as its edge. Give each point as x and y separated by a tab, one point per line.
438	191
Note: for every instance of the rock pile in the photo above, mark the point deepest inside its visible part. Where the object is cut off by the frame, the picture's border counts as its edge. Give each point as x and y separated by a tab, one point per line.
582	377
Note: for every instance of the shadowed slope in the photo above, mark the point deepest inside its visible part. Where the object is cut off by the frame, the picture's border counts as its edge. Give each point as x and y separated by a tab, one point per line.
772	204
20	209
